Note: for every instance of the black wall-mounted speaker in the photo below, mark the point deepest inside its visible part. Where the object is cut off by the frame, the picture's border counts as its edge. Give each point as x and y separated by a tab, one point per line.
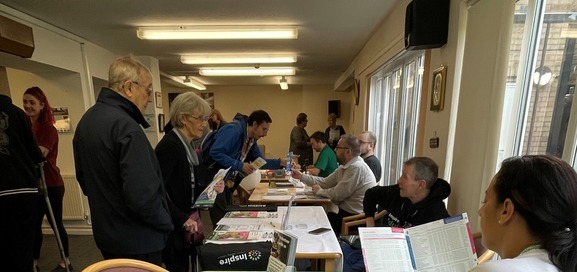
335	107
426	24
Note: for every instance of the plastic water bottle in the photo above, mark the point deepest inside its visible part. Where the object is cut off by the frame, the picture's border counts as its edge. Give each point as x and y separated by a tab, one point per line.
288	166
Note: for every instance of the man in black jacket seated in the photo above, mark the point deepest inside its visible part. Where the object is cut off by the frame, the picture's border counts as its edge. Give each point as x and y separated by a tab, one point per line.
416	199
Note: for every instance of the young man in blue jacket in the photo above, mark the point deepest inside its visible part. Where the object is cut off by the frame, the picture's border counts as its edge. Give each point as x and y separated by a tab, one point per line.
236	147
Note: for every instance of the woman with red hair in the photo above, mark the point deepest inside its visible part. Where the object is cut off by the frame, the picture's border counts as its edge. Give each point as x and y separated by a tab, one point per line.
38	109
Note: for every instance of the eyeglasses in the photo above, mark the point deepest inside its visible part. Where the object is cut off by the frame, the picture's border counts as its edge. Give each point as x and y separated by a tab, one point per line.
147	89
341	147
363	142
201	118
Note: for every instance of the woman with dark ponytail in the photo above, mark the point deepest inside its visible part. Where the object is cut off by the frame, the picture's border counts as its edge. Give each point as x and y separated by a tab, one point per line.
529	216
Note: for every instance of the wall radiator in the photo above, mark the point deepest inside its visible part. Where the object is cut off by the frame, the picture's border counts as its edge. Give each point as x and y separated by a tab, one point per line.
73	203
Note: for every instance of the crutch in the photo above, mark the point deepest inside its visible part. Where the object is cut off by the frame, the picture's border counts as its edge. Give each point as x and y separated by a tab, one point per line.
44	191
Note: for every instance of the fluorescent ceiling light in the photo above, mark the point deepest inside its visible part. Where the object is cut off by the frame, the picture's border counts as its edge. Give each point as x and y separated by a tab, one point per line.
283	83
248	71
216	32
185	81
230	58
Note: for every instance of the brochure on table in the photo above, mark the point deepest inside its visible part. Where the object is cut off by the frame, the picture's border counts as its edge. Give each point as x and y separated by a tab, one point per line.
283	252
301	220
442	245
227	237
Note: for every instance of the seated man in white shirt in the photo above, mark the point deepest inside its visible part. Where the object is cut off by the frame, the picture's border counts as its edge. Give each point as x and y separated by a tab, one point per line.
346	186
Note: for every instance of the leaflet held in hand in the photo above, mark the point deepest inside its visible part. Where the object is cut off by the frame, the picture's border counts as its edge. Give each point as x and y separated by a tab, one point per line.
208	195
258	163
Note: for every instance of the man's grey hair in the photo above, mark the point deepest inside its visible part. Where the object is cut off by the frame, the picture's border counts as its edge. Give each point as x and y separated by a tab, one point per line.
126	68
425	168
371	137
352	142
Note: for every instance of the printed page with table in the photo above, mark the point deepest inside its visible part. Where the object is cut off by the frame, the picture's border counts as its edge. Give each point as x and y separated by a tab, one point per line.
442	245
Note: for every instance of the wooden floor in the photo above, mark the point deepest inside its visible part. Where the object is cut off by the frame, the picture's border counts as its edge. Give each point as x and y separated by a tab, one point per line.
83	250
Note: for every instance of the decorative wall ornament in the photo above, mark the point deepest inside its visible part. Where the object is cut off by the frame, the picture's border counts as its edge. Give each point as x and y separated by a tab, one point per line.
438	92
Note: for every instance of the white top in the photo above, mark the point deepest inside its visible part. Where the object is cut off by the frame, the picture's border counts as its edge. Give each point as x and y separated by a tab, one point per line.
532	261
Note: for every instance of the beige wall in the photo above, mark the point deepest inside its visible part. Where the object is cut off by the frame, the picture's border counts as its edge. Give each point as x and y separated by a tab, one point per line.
61	88
480	102
282	106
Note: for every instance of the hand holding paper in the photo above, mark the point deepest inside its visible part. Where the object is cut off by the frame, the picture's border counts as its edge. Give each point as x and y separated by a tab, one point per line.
247	168
219	186
207	197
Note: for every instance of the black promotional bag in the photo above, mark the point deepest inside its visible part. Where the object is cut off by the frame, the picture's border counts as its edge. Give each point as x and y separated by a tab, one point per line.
234	257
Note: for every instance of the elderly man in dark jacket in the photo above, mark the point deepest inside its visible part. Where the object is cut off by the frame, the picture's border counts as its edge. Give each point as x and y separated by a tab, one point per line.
118	170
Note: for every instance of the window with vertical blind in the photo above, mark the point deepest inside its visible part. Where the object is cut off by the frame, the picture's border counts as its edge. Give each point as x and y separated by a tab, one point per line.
394	110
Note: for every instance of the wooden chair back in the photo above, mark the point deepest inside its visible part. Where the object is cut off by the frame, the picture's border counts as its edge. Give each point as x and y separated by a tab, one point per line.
123	265
243	195
354	221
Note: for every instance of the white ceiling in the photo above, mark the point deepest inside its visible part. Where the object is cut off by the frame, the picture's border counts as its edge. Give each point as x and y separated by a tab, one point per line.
331	32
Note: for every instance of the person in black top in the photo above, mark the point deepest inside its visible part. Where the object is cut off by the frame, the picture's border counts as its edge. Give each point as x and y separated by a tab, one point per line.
19	187
368	141
189	115
300	143
416	199
333	132
118	170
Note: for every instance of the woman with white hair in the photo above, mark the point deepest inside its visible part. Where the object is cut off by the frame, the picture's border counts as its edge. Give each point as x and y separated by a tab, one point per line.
189	115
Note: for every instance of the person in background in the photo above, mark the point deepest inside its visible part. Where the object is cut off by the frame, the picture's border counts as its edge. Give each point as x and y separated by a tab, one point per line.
118	170
326	161
38	109
368	141
416	199
346	186
334	132
529	216
19	156
216	120
189	115
235	146
299	141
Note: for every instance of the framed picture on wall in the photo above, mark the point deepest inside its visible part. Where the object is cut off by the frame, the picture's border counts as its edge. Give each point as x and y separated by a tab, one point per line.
158	99
438	92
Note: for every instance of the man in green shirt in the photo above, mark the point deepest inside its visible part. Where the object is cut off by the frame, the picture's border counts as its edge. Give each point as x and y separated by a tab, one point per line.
327	160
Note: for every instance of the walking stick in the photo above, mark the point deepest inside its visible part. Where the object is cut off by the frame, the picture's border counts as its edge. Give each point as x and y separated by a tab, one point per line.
44	191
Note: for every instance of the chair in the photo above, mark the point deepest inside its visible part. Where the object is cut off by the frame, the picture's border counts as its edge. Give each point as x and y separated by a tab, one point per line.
123	265
483	254
358	220
487	256
243	195
477	237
